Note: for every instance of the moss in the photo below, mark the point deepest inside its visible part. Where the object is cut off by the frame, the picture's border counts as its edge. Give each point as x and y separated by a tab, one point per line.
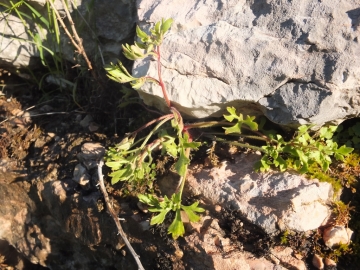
315	172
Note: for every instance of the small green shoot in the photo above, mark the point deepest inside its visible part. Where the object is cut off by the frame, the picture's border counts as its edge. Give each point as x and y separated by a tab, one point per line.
176	228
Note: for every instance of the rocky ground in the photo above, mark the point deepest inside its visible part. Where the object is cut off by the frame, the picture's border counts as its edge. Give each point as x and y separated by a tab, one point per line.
54	218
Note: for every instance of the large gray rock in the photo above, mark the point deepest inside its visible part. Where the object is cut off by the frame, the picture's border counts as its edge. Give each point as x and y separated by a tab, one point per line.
273	201
294	61
102	25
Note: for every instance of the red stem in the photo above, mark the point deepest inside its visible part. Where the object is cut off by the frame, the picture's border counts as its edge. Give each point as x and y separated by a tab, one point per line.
152	122
161	83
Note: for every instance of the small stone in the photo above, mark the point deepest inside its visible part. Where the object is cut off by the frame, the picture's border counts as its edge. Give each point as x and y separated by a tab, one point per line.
81	176
89	164
145	225
86	121
218	208
85	181
26	117
143	207
78	172
334	236
78	118
94	151
93	127
179	253
329	262
317	261
51	134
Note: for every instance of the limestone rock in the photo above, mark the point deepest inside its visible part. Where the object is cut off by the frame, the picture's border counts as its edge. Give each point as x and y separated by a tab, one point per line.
295	61
285	255
334	236
206	243
272	200
15	52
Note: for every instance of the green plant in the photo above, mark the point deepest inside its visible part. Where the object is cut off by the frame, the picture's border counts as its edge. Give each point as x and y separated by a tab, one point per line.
350	136
284	237
302	150
342	212
132	160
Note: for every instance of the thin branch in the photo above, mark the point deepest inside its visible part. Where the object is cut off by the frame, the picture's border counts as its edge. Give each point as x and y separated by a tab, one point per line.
78	43
115	217
167	116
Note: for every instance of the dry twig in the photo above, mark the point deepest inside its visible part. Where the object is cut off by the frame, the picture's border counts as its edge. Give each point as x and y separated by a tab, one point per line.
115	217
75	39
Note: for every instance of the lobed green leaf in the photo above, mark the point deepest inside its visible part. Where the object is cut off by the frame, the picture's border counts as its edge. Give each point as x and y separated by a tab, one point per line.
176	228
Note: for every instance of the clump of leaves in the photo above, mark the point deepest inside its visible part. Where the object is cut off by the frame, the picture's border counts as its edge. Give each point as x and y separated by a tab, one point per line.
350	136
284	237
174	204
302	150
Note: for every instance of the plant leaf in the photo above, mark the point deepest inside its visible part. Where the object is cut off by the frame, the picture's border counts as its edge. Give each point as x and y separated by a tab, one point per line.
190	211
148	199
343	150
158	219
166	25
176	228
181	164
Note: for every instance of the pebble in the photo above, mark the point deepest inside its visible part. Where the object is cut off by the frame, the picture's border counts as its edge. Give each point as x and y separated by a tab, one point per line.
145	225
334	236
93	127
92	150
143	207
329	262
317	261
86	121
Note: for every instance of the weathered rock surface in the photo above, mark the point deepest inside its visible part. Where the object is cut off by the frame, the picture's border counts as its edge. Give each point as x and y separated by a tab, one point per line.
208	242
54	227
286	257
272	201
104	29
294	61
